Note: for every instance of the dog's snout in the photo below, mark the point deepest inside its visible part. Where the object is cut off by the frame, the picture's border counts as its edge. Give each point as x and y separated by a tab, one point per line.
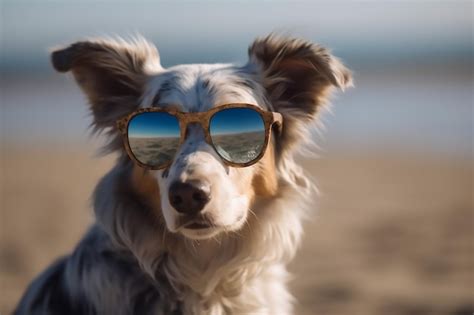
190	197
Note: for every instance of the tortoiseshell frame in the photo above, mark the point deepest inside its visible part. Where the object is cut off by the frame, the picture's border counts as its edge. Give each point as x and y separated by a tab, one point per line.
202	118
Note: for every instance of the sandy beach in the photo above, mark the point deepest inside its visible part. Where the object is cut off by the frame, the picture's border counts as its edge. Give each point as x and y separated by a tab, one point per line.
389	234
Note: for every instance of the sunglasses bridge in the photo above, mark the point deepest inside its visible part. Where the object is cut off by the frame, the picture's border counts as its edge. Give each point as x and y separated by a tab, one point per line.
201	119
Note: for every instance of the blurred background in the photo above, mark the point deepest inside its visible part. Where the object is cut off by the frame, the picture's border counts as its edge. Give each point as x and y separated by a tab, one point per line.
393	229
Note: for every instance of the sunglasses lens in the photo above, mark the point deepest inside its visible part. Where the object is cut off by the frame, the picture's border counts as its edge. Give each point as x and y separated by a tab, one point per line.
238	134
154	137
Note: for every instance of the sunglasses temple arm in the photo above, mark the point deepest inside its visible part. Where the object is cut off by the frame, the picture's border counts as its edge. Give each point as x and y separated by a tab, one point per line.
120	124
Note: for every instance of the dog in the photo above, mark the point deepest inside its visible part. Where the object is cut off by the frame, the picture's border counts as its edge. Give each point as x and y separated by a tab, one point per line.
198	234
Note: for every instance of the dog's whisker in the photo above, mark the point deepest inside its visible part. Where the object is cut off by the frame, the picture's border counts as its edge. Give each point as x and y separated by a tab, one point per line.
257	219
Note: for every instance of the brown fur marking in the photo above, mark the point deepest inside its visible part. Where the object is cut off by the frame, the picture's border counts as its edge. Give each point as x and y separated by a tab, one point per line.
146	186
265	181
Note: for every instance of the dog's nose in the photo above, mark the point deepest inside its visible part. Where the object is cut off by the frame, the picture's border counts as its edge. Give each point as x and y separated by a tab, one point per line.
189	198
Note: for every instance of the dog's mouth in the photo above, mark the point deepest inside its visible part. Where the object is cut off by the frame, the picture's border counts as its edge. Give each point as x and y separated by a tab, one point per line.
202	228
197	225
199	229
199	222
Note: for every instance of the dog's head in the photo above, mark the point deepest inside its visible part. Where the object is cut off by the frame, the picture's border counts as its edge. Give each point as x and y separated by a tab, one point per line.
198	195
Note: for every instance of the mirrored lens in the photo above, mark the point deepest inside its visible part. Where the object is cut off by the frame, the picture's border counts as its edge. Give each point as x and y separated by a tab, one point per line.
154	137
238	134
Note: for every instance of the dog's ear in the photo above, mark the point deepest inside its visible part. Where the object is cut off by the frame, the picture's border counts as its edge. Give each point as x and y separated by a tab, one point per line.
112	73
297	76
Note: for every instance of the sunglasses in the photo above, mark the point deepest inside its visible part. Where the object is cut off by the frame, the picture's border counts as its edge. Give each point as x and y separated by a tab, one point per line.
239	133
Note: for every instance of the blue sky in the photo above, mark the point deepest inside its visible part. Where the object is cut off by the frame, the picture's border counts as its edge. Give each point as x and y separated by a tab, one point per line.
210	31
153	125
236	121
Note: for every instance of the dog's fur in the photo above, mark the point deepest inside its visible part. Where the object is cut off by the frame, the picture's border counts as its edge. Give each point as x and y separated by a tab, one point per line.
136	259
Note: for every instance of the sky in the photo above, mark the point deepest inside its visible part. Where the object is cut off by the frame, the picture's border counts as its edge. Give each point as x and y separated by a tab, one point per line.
152	125
361	32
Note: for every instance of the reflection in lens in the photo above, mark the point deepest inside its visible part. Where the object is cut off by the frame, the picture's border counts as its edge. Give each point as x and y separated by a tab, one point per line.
238	134
154	137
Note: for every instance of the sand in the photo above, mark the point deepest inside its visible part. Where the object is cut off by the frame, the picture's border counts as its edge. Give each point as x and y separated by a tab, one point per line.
389	234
